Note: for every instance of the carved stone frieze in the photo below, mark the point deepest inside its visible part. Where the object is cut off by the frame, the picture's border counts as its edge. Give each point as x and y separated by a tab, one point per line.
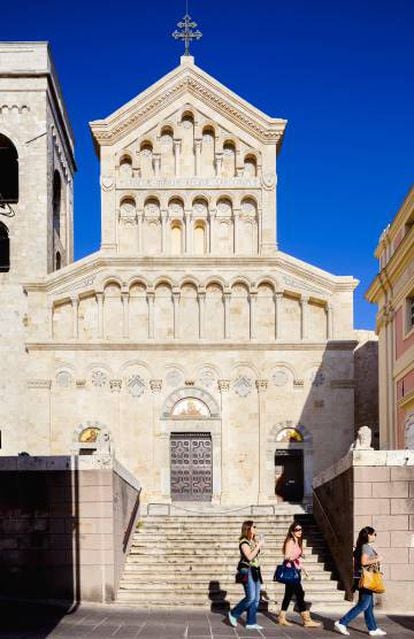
39	383
261	385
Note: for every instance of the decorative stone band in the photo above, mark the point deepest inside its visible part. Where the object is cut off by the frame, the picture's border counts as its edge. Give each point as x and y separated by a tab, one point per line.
115	385
39	384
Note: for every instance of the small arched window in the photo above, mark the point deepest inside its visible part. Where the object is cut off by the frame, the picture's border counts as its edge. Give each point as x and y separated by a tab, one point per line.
4	249
58	261
9	171
57	197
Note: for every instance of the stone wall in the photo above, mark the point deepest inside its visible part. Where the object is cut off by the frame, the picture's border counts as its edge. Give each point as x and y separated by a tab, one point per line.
64	527
366	383
381	495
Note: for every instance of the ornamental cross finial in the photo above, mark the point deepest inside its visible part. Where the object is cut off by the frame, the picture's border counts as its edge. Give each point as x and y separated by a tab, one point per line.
187	35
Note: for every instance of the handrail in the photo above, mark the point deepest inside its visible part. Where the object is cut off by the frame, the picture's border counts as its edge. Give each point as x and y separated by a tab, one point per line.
325	514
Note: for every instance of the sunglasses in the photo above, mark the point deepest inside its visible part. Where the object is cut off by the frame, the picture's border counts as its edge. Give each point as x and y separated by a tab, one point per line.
297	529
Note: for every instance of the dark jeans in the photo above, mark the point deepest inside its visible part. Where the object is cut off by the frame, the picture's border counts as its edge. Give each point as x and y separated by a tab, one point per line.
297	590
366	605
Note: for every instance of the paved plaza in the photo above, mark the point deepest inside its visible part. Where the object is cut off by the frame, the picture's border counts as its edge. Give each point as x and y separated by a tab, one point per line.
31	621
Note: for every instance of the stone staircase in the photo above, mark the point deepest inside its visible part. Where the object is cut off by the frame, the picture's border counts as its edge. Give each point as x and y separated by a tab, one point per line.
191	561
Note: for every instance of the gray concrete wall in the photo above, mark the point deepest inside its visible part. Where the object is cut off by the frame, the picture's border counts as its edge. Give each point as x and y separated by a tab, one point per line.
64	527
373	488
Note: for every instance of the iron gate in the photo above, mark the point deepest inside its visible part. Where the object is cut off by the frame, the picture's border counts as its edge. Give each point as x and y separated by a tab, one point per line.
191	467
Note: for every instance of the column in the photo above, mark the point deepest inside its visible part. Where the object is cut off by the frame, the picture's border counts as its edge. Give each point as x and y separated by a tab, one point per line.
252	309
226	301
219	163
391	407
236	219
75	316
160	451
329	321
50	319
304	317
150	300
202	311
176	312
157	164
226	457
261	387
188	232
164	215
278	299
140	220
212	227
177	157
125	313
99	299
197	148
260	229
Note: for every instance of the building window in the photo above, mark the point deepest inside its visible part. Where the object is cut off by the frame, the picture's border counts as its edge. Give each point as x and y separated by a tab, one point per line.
9	172
4	249
58	264
57	197
410	313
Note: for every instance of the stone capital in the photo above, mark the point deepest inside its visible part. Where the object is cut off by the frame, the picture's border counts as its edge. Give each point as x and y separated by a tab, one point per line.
115	385
223	385
155	385
261	385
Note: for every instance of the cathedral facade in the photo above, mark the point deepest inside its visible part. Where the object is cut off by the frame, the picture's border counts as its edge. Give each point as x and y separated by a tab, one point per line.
216	367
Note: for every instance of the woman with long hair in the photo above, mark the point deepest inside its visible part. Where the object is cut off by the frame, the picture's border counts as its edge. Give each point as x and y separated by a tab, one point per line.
364	555
249	566
292	554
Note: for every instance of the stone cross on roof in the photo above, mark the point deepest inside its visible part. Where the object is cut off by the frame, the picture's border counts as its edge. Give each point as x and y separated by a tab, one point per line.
187	34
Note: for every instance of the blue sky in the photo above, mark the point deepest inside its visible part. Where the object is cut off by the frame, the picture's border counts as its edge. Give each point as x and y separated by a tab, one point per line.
340	71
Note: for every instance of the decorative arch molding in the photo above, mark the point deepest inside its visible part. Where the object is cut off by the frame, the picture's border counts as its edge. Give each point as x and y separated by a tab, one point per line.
100	443
289	424
188	391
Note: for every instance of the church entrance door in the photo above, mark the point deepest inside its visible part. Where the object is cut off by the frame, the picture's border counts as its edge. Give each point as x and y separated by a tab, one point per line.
289	474
191	466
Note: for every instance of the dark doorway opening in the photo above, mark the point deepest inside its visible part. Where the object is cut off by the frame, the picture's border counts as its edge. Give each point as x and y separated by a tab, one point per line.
289	474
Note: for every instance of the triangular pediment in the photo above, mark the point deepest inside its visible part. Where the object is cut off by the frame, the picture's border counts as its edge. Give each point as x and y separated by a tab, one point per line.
187	80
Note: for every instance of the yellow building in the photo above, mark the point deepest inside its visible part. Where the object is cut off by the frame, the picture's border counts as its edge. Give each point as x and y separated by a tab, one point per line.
393	291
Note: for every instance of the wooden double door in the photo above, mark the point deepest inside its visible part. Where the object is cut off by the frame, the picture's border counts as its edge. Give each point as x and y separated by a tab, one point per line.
191	463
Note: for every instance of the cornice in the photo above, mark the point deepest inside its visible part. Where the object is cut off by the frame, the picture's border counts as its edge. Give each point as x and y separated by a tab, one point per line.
292	273
203	87
199	345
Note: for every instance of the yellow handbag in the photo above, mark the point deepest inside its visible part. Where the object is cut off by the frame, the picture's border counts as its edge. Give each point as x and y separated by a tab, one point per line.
371	579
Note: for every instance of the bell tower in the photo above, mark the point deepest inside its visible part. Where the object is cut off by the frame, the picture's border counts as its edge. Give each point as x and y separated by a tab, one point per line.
36	165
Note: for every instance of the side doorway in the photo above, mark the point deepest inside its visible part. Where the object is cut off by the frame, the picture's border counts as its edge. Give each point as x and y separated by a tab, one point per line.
289	474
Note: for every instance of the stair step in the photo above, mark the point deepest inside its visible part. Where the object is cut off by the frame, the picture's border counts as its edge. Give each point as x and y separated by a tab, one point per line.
191	561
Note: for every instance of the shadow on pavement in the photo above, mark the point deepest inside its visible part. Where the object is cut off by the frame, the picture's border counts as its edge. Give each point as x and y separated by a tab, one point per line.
402	620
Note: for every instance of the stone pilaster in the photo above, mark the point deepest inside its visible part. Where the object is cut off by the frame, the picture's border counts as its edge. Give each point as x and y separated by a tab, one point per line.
261	387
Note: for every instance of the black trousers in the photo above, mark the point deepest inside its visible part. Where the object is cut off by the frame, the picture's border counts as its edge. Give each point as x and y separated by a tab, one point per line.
297	590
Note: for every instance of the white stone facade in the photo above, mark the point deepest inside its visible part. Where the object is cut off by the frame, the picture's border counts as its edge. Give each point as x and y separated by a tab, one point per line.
188	300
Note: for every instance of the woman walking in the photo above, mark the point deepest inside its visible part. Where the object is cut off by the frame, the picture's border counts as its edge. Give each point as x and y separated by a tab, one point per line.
250	567
364	555
292	553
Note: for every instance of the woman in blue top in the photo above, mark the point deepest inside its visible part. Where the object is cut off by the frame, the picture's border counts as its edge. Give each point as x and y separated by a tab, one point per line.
364	555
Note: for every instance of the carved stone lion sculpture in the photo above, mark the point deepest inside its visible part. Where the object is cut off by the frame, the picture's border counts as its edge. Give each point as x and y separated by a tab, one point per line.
363	439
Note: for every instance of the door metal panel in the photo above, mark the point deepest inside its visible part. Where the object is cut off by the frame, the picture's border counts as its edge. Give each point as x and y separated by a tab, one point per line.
191	467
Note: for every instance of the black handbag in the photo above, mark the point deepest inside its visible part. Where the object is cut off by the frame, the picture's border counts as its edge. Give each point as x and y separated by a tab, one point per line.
285	574
242	574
